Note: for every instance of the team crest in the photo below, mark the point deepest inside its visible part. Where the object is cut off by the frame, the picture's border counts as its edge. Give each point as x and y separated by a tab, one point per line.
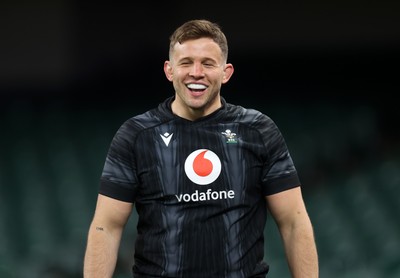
230	136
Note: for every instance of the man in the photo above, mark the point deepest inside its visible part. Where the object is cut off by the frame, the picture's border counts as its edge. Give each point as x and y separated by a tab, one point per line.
201	173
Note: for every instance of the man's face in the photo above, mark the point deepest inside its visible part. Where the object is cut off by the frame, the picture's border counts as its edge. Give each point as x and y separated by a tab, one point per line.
197	70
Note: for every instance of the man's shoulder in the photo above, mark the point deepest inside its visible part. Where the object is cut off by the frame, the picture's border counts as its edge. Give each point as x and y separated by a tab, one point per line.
145	120
245	115
150	118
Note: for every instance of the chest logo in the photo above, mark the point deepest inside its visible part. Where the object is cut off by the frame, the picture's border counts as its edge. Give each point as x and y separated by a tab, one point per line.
166	138
202	166
230	136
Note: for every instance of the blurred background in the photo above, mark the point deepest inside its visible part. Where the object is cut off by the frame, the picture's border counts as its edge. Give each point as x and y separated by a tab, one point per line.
326	71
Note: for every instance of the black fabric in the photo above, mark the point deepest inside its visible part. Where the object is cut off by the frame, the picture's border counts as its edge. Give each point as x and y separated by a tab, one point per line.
199	188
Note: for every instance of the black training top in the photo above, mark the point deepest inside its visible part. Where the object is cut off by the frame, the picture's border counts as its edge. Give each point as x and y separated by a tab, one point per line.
199	188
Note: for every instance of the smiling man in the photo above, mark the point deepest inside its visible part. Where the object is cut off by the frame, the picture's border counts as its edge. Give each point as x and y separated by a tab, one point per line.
197	68
201	173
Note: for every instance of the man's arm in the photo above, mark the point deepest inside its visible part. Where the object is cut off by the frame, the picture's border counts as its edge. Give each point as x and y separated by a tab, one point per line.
104	237
289	212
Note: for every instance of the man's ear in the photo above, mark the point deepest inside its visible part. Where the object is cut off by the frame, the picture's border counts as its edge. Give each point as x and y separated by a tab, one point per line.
228	71
168	70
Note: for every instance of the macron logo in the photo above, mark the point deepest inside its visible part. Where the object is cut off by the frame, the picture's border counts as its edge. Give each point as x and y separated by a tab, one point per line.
166	138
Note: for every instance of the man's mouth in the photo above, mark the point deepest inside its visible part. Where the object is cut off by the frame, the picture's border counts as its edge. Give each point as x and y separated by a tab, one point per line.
195	87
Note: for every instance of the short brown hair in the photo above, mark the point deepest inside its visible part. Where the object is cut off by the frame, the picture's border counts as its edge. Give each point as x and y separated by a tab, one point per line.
199	28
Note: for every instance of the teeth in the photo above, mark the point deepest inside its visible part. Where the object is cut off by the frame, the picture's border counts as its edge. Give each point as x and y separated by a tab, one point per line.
196	86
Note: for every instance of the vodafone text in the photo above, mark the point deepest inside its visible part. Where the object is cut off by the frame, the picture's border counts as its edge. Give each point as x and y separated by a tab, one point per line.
206	196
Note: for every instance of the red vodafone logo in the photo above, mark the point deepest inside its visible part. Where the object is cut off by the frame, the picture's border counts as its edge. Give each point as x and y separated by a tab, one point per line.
202	166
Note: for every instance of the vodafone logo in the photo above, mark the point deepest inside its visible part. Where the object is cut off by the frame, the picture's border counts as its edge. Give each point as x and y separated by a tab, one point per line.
202	166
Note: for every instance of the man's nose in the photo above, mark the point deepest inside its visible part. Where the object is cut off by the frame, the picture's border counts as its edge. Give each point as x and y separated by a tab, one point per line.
197	69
